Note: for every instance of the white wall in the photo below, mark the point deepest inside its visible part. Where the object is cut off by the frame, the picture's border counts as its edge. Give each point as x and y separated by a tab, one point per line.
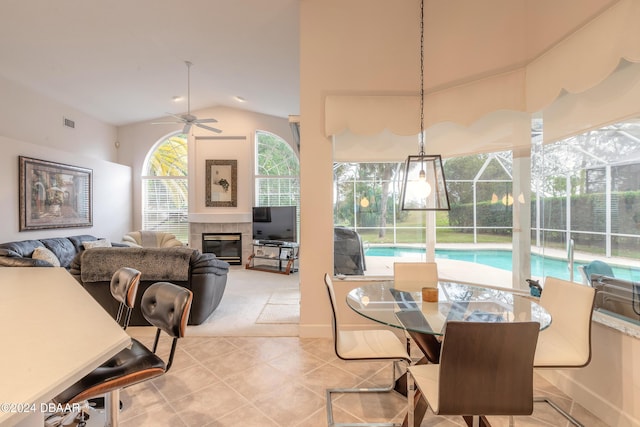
137	139
610	385
31	117
31	125
111	193
342	51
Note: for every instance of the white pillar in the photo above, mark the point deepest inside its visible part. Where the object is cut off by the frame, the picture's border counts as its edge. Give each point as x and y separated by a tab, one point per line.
431	236
521	238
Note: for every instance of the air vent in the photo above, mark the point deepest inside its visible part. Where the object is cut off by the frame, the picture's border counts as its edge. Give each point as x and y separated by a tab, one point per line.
69	123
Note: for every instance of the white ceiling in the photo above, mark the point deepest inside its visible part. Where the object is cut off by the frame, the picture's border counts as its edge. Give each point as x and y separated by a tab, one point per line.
122	61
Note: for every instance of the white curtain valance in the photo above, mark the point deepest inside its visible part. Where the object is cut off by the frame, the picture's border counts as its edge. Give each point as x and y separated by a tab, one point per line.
571	84
400	114
614	100
498	131
587	57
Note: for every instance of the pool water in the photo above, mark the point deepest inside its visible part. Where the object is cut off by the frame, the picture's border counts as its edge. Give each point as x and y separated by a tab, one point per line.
540	266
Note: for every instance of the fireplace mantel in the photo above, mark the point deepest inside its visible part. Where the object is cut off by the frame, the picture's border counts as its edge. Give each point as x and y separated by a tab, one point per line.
220	218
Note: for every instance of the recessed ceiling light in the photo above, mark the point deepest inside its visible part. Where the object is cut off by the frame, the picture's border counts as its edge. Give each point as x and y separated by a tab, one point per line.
177	98
240	99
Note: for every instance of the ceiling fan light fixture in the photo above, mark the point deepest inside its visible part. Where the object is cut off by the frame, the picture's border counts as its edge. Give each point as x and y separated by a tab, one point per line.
424	187
188	119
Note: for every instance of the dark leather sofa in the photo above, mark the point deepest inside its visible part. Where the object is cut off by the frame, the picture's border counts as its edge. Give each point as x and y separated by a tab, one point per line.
203	274
18	254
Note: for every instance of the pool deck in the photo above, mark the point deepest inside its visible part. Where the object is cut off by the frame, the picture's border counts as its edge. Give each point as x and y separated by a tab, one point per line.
448	269
468	272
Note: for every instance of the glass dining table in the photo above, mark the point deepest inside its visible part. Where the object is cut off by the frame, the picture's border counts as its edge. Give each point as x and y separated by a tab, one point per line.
426	322
383	303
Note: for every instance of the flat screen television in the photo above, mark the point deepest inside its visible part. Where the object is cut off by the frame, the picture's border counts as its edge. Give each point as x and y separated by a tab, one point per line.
275	224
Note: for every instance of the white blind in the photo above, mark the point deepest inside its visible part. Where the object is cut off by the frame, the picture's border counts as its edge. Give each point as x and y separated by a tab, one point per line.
166	205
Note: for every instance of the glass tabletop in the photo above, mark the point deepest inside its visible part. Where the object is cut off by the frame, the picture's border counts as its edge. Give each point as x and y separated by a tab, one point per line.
383	303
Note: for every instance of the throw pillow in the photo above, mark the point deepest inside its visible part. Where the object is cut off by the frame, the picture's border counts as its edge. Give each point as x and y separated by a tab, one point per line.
46	255
102	243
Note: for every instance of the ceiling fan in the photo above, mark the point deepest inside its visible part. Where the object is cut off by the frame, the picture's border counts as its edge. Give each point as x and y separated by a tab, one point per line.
189	119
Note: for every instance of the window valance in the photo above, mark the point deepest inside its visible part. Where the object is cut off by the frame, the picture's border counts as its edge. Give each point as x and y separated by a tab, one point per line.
588	79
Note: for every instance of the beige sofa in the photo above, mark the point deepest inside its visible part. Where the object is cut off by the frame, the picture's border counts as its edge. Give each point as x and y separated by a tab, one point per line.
151	239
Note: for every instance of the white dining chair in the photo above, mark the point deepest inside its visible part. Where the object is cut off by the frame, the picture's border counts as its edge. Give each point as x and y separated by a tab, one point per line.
566	343
362	345
413	276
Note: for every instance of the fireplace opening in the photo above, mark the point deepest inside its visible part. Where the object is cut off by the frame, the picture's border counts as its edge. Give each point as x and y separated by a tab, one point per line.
225	246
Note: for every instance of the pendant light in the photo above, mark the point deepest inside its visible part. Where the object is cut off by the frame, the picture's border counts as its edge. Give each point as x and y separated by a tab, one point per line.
424	187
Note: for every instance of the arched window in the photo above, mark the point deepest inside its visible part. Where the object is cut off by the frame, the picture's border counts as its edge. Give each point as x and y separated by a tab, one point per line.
164	188
277	179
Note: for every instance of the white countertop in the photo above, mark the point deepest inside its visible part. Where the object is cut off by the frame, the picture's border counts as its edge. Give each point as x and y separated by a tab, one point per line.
53	334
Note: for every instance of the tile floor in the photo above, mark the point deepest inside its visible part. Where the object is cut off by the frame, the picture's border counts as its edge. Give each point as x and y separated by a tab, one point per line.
281	381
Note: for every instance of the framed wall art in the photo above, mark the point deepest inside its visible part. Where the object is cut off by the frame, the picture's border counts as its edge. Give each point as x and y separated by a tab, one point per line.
54	195
222	183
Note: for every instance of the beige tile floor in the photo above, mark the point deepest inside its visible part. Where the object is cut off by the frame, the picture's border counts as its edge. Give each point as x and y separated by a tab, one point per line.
281	381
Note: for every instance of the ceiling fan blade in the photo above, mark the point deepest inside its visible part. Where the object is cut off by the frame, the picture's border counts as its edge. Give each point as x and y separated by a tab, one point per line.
206	121
166	123
187	128
180	120
208	128
176	116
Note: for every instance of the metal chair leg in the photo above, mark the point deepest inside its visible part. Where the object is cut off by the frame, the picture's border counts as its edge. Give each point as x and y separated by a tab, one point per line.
411	397
112	408
329	391
560	410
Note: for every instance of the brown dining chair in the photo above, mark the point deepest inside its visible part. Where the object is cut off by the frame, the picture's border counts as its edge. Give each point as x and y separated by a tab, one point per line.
362	345
485	369
566	343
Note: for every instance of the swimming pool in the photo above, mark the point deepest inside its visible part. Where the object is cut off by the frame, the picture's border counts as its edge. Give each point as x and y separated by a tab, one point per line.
540	266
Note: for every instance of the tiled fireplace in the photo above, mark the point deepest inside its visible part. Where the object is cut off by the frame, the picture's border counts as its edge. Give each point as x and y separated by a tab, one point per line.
198	229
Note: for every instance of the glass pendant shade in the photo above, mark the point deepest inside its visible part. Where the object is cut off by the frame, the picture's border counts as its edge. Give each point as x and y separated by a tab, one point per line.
424	187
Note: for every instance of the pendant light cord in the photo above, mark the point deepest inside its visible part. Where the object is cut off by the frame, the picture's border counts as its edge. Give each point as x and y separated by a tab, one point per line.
421	138
188	86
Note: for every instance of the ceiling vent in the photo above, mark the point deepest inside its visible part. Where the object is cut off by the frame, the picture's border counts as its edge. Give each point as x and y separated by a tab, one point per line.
69	123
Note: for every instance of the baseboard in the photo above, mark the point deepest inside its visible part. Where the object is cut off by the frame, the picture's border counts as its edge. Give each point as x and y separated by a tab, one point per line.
315	331
598	405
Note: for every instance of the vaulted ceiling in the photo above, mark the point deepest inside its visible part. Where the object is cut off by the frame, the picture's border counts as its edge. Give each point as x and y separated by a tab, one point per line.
122	61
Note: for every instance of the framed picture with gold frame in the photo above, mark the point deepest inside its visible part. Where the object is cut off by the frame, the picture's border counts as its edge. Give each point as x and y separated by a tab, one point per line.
54	195
222	183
